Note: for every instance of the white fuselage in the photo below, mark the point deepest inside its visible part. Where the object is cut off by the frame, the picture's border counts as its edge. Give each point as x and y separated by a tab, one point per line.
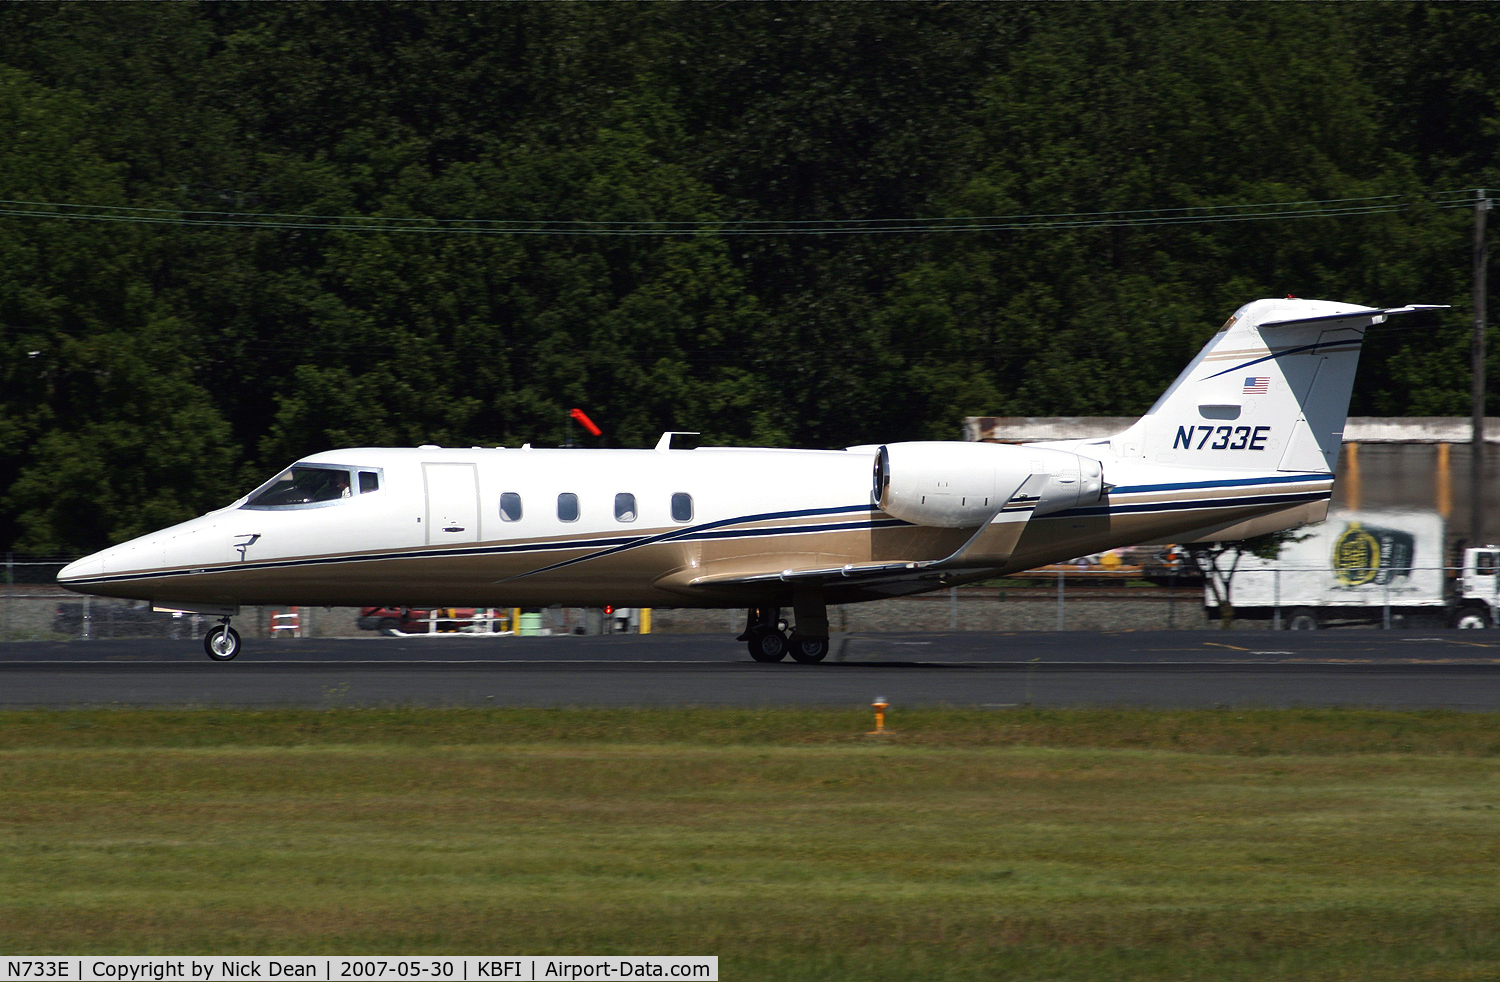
485	527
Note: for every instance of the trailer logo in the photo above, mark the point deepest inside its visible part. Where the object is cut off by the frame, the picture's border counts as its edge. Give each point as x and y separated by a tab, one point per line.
1372	555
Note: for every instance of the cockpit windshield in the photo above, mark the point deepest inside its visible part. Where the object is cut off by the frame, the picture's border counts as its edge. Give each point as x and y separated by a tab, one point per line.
303	486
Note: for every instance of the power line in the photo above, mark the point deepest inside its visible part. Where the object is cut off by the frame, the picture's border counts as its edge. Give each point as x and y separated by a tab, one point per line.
1053	221
839	221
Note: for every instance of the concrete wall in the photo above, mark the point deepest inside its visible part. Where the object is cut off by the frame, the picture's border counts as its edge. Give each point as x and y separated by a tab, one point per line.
977	609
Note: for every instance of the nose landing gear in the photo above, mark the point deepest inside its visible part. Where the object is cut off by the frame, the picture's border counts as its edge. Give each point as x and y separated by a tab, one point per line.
223	642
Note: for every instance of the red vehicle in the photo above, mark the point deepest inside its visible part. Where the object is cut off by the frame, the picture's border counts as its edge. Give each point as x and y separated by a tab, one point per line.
391	621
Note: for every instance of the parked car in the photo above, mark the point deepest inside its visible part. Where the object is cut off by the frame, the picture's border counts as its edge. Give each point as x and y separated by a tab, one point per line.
391	621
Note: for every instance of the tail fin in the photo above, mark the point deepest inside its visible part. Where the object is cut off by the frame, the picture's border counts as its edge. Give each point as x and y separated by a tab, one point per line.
1270	391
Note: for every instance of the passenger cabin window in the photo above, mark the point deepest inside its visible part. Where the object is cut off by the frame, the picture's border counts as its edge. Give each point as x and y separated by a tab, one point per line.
301	486
510	507
624	507
682	507
567	507
368	481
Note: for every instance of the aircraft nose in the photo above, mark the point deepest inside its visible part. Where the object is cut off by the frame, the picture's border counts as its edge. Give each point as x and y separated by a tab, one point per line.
87	568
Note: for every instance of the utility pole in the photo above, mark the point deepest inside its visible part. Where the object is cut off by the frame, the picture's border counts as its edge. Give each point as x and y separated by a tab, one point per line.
1476	389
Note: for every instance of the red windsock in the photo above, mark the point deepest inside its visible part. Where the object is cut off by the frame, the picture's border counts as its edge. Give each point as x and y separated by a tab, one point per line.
584	421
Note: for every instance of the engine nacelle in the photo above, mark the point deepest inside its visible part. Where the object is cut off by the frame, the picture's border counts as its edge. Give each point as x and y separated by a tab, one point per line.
963	485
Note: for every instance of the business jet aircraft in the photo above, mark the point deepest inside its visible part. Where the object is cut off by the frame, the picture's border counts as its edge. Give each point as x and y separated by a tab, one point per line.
1244	442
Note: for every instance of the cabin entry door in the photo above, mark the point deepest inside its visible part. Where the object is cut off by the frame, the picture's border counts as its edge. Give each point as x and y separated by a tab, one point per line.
452	503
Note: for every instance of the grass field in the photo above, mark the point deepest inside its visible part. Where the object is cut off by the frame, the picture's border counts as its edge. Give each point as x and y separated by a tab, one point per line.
1023	844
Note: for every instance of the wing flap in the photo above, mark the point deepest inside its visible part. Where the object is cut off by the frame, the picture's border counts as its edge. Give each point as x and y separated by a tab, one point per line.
691	579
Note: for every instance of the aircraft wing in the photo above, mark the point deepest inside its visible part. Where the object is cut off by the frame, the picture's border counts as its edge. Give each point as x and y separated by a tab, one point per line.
988	547
862	572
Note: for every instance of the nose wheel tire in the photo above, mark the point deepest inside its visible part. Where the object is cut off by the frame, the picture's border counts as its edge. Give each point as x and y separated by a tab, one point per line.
768	646
222	643
809	651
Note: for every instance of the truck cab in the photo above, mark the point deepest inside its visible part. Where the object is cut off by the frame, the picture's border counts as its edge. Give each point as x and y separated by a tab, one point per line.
1479	588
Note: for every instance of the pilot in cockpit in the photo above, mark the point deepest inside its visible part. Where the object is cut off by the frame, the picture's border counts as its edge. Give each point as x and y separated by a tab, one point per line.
301	486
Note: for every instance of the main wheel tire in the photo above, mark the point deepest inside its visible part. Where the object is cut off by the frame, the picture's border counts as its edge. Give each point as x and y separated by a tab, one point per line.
222	643
1470	619
768	646
1302	619
809	651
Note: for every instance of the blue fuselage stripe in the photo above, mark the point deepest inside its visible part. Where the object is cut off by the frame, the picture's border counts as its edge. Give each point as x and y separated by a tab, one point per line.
1307	478
1171	506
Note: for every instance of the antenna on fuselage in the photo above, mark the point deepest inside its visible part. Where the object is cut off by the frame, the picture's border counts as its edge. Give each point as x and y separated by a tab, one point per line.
665	443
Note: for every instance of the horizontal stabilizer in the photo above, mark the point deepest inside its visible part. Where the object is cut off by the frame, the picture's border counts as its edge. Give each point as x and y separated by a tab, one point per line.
1376	315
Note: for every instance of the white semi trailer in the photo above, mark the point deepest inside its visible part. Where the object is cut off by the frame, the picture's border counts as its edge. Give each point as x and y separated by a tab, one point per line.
1369	567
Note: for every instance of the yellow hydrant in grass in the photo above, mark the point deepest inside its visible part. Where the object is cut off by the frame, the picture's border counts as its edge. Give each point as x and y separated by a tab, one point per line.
880	707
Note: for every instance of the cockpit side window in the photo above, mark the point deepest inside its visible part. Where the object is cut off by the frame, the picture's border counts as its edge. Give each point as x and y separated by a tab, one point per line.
368	481
301	486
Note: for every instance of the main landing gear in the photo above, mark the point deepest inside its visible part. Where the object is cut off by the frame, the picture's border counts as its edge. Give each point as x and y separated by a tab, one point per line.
768	640
223	642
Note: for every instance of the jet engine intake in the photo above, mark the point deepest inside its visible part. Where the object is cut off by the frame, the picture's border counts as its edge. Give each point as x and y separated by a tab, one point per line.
964	485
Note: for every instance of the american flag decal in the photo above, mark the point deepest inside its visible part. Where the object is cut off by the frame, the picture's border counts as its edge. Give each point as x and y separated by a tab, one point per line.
1257	386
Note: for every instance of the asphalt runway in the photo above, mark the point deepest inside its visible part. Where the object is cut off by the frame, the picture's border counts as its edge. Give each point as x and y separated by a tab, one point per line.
1186	669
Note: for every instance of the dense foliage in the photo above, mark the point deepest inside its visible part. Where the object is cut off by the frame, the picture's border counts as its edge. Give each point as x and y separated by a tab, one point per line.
149	371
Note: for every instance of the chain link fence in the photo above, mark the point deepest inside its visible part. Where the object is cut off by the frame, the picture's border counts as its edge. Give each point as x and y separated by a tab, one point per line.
33	608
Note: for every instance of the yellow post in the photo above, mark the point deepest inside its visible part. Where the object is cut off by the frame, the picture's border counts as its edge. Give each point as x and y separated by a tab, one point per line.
880	707
515	620
1444	480
645	620
1351	478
